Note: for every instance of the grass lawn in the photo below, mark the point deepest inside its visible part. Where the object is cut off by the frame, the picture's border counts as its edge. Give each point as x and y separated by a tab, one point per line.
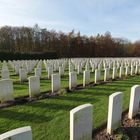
49	118
21	90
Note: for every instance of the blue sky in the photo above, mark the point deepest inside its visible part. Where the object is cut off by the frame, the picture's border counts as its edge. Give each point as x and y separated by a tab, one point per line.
90	17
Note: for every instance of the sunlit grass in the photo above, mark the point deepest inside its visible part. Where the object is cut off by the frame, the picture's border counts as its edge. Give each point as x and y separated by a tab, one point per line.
49	118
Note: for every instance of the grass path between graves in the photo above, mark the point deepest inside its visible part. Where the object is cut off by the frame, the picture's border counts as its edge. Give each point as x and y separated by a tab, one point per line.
21	90
49	118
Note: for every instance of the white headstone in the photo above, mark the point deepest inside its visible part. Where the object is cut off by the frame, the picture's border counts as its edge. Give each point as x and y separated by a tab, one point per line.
97	75
114	111
134	101
50	71
93	67
29	68
79	69
110	65
72	80
99	66
23	133
114	74
61	71
137	69
106	74
34	85
70	68
127	71
17	67
86	77
4	66
132	70
104	65
5	74
38	72
22	75
121	71
81	122
87	67
6	90
55	82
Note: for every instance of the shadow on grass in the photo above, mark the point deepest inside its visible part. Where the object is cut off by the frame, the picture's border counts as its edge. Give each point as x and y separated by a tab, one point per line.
78	99
19	116
97	93
122	86
52	106
109	89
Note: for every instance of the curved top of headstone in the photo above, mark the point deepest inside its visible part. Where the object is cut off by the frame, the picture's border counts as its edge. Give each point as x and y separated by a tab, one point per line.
33	77
80	107
6	80
136	86
115	94
15	132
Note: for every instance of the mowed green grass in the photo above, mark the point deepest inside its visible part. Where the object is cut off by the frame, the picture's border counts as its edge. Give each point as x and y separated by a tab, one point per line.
49	118
21	89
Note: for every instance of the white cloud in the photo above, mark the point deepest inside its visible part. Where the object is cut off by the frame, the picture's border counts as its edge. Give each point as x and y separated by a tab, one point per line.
120	17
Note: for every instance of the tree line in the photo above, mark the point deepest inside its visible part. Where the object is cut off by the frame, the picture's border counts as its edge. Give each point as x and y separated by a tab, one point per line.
35	40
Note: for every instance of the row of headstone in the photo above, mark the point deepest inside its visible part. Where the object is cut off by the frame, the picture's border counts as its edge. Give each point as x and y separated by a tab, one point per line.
24	64
34	85
102	63
81	117
87	62
6	87
23	73
55	64
131	65
86	75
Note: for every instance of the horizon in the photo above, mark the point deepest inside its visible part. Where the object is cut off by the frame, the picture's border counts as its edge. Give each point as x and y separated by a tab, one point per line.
90	17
